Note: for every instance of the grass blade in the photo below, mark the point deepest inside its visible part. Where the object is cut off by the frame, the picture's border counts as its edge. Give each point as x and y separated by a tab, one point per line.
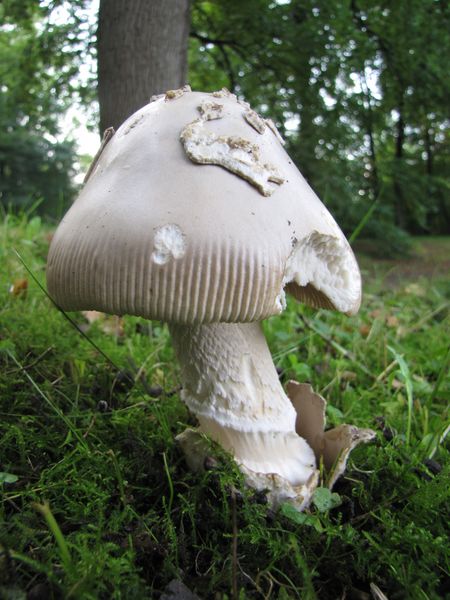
404	370
64	553
440	378
53	406
365	219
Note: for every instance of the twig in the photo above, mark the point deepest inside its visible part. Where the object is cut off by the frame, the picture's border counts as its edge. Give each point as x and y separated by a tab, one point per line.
65	315
74	325
107	135
234	545
169	479
34	362
427	317
386	371
90	426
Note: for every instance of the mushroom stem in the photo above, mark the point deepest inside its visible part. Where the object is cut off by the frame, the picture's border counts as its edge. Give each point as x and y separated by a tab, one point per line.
230	383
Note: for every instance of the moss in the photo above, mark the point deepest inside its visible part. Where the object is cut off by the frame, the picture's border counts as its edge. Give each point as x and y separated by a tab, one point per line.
80	432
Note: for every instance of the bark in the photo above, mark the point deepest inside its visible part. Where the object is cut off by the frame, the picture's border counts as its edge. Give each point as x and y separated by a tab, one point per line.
142	51
370	133
428	150
398	190
373	160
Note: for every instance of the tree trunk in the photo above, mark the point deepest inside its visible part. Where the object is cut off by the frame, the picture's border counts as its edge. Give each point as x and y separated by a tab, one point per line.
142	50
370	133
428	150
373	160
398	189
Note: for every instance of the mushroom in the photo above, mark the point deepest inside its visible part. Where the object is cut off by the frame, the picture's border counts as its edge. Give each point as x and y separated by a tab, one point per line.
194	214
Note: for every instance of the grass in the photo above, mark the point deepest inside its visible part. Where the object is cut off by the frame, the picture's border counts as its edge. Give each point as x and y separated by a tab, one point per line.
96	500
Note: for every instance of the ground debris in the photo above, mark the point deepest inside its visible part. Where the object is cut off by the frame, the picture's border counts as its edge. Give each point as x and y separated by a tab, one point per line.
176	590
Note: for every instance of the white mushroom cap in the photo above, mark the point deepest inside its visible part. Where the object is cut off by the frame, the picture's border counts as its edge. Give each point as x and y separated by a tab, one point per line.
153	233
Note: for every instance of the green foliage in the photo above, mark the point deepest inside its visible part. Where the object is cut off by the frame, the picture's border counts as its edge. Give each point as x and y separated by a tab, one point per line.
40	55
8	478
96	500
35	170
358	89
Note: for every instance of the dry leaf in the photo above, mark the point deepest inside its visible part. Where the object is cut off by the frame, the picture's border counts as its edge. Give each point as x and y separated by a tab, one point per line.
113	326
348	376
377	594
158	377
364	330
92	315
19	288
392	321
109	324
397	385
414	289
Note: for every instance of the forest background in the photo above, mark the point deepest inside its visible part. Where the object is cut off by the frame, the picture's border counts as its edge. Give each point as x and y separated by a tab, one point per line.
96	501
359	89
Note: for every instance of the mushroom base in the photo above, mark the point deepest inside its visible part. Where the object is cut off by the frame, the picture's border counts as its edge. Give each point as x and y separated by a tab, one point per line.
277	489
230	383
332	449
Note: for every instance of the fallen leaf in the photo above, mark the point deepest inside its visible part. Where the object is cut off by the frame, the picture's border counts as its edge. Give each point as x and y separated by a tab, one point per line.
414	289
159	377
348	375
19	288
92	315
392	321
377	594
364	330
402	331
397	385
113	326
109	324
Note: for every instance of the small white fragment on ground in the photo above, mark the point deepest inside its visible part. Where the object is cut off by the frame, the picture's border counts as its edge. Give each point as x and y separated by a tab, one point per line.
273	128
169	242
235	154
255	121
